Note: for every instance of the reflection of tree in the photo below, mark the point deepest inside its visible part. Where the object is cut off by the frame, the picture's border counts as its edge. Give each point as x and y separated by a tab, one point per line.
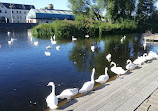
85	59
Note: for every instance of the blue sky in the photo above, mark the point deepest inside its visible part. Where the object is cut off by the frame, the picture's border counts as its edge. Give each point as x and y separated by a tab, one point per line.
58	4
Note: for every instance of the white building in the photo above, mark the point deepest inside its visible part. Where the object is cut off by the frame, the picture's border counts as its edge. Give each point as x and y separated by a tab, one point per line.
14	13
48	15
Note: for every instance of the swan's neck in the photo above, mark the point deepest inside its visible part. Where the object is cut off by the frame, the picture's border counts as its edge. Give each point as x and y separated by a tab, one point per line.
106	71
92	76
53	89
114	64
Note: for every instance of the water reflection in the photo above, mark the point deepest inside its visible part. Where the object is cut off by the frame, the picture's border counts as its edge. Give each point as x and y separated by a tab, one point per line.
25	70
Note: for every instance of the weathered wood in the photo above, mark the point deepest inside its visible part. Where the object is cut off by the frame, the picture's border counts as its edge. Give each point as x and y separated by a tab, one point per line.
121	94
152	37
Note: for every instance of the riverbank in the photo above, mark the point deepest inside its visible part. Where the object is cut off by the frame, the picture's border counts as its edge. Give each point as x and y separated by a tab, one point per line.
122	94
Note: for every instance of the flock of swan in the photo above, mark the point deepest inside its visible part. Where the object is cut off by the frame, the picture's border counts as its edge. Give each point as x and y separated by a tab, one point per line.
52	99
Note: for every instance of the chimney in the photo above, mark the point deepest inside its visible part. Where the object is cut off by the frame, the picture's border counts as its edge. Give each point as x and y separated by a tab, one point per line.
50	7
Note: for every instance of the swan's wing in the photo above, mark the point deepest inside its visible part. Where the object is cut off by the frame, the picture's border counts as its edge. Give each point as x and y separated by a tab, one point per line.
86	86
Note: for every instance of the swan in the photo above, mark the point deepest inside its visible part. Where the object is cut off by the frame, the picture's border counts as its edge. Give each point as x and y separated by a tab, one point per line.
147	57
36	43
92	48
51	39
117	70
48	47
144	45
87	86
103	78
139	60
68	93
47	53
121	40
53	42
12	39
52	100
8	33
87	36
9	42
108	57
57	47
73	39
130	65
153	55
124	37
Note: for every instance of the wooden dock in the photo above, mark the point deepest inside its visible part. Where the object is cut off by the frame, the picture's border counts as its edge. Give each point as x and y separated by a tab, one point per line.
152	37
126	93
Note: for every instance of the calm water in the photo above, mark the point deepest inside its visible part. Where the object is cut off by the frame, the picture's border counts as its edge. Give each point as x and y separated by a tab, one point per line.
25	70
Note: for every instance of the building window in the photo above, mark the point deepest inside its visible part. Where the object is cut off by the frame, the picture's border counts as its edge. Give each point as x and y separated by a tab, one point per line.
12	11
17	17
0	11
20	17
5	11
24	12
17	11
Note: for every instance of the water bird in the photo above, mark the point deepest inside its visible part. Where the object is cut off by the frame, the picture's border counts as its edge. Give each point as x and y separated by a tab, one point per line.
139	60
48	47
47	53
73	38
68	93
144	44
57	47
88	86
153	55
122	40
92	48
8	33
130	65
12	39
36	43
52	100
108	57
87	36
124	37
117	70
9	42
103	78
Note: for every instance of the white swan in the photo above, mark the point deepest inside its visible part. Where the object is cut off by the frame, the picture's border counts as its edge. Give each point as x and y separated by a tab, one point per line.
124	37
73	39
9	42
53	42
130	65
87	36
57	47
12	39
103	78
36	43
8	33
87	86
48	47
153	55
92	48
121	40
147	57
117	70
47	53
68	93
139	61
108	57
144	45
52	100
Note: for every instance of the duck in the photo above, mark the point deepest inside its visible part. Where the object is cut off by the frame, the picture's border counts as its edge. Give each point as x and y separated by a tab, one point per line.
47	53
57	47
48	47
36	43
92	48
73	39
103	78
68	93
52	100
117	70
87	36
130	65
88	86
108	57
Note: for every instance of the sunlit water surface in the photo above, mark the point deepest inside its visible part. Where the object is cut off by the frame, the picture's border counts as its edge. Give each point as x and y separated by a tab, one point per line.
25	70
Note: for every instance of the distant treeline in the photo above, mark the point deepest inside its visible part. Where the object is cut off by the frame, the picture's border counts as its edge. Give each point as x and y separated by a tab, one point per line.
122	16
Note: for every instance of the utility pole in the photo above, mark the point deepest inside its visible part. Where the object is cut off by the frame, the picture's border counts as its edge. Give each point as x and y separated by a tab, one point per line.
11	6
